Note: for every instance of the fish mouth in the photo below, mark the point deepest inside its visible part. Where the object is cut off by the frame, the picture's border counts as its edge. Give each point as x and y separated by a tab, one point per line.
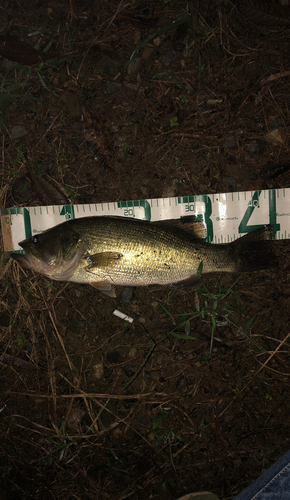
22	259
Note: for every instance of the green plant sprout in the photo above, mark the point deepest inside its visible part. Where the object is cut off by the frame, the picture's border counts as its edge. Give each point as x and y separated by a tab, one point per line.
185	17
217	309
174	122
62	448
125	146
202	426
20	340
168	437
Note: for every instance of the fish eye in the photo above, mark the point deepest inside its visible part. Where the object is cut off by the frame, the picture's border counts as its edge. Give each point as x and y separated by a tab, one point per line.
35	239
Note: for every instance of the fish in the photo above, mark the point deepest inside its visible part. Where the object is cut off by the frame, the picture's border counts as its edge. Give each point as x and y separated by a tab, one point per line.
115	251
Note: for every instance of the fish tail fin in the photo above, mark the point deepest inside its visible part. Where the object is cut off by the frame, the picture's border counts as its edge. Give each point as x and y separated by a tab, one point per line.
253	251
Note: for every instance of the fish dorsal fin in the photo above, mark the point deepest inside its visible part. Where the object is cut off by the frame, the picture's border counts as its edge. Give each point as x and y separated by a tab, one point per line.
102	259
189	224
105	287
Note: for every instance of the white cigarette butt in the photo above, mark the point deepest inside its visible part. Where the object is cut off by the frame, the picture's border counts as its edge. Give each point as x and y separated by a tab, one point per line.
123	316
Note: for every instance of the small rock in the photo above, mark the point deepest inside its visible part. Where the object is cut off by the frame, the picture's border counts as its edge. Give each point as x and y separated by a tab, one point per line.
157	41
253	176
181	382
142	320
128	370
98	370
230	142
147	52
169	192
124	103
126	294
180	183
18	131
143	419
106	62
169	57
144	190
230	182
178	47
70	103
132	353
252	147
111	87
189	89
134	66
6	64
114	128
137	36
276	123
29	347
154	303
78	293
62	329
117	433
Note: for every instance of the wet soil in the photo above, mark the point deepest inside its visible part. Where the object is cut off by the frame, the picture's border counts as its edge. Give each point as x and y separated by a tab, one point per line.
142	100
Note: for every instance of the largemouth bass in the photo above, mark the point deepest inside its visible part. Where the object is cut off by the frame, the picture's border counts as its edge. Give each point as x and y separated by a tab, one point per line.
108	251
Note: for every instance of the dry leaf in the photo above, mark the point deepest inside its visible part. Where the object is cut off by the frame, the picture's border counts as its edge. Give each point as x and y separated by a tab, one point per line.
277	136
21	52
74	419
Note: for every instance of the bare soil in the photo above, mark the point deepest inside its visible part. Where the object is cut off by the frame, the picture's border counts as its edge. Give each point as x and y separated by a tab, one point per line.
93	407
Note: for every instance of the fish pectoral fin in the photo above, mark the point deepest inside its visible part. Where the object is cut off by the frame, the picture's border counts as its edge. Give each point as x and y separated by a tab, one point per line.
102	259
193	281
105	287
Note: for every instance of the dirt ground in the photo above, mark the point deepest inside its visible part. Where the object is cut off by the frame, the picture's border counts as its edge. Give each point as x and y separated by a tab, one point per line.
93	407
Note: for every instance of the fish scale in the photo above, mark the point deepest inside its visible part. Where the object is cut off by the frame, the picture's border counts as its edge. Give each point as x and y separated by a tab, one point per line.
150	254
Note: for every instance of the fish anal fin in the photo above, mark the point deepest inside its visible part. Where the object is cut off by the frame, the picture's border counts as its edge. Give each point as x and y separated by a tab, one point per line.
193	281
105	287
102	259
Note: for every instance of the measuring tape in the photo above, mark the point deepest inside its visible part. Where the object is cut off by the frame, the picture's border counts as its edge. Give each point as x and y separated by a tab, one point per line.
227	216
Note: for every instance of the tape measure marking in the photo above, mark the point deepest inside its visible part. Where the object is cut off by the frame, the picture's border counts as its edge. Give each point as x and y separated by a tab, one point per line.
227	215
